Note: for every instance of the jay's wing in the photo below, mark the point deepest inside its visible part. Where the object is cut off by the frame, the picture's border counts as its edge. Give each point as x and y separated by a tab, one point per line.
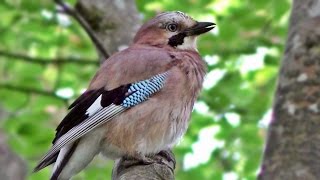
96	107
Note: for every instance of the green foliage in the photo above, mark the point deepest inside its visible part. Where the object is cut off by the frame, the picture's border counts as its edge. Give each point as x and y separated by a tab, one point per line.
243	55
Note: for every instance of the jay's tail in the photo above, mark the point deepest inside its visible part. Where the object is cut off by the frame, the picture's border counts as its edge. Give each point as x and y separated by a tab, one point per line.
73	157
64	156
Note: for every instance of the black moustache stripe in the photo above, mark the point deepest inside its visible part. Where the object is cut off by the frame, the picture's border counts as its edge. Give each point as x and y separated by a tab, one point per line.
177	40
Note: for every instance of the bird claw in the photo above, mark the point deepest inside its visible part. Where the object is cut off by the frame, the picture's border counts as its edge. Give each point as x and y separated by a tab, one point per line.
137	159
168	156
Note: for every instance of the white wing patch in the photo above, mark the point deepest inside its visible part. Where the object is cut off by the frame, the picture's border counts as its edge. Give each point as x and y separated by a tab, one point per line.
95	107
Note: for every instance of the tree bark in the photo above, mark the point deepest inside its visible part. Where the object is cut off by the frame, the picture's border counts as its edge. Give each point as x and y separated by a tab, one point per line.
163	170
293	143
11	166
115	23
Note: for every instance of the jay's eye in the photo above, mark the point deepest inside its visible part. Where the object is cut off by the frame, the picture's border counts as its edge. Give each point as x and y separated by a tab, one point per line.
172	27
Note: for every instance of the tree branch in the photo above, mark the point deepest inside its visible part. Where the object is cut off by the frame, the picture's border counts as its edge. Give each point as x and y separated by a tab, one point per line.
163	168
32	91
45	61
72	12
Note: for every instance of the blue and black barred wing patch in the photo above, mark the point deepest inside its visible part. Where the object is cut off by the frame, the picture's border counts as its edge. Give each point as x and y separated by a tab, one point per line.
142	90
98	107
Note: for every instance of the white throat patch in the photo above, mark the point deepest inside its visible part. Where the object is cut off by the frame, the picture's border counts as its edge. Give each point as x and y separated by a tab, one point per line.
189	43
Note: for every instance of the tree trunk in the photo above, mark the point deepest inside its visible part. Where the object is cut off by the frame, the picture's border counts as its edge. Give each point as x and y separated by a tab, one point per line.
12	167
115	22
293	142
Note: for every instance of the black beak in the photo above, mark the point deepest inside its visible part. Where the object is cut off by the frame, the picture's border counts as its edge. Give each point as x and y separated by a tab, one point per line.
200	28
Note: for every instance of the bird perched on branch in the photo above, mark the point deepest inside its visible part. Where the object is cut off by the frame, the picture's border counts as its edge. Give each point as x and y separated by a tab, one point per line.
140	100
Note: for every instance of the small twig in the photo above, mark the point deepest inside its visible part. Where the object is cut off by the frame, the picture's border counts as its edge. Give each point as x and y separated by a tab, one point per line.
45	61
58	78
72	12
32	91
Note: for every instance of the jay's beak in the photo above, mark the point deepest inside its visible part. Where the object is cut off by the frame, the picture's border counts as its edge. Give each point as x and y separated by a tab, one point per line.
200	28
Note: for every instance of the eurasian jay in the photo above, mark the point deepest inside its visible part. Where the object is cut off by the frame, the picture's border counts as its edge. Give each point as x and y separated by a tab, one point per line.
140	100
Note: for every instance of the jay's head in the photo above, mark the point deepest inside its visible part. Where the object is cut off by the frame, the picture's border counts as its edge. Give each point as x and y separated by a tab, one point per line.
175	29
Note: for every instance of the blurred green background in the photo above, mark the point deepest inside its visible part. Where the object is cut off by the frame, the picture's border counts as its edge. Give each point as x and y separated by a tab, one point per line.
226	135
